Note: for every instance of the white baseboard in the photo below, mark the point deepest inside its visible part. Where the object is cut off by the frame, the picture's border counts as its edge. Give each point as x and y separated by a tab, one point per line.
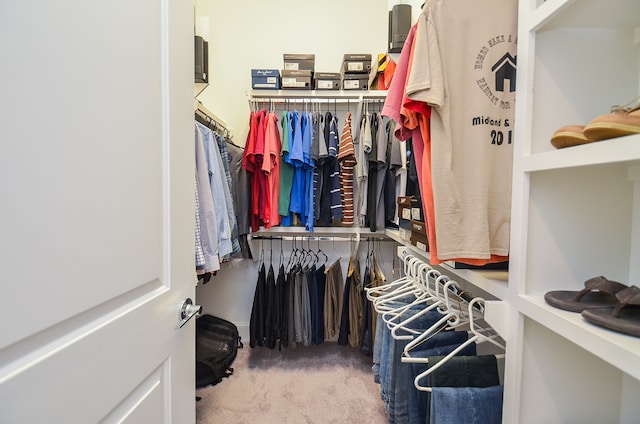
243	329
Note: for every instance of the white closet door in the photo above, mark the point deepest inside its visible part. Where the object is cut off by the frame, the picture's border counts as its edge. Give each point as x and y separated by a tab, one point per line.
96	219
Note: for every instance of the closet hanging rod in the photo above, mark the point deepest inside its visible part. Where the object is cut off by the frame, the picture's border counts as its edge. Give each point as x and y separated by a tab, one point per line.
320	238
200	108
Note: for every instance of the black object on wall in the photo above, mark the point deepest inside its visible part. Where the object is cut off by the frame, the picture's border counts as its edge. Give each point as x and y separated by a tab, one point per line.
399	26
201	60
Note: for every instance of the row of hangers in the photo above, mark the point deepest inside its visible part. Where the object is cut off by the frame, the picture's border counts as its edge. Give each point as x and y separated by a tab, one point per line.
311	105
211	123
436	292
307	256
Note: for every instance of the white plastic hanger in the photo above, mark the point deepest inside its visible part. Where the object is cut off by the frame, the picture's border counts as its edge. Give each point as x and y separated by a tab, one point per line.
441	302
450	319
423	295
477	337
380	293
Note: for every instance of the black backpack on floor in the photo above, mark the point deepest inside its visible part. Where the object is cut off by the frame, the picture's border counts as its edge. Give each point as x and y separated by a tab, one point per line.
217	344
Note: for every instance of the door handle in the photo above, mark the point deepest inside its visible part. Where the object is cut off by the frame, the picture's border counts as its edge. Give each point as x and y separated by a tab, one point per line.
187	311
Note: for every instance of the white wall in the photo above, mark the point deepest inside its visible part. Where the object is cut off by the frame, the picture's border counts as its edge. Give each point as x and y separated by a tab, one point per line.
248	34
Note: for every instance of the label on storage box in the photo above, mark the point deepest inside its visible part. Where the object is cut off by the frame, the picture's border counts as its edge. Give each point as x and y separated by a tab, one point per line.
292	82
355	66
421	246
351	84
272	80
406	213
325	84
291	66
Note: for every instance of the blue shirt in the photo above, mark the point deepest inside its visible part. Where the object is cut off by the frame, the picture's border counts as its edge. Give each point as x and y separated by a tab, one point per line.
218	184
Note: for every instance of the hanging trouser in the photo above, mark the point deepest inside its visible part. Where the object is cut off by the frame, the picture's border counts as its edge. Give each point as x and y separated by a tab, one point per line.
333	300
258	312
317	306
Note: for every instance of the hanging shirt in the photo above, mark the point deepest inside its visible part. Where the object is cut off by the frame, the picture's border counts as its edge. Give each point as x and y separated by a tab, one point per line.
324	214
200	262
362	167
335	202
296	158
208	225
286	171
394	163
218	185
347	161
271	168
264	205
381	176
317	145
309	166
250	165
472	180
372	178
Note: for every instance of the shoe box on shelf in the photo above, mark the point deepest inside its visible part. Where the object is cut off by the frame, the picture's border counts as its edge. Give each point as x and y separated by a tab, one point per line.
419	235
355	71
299	80
298	71
299	62
404	217
412	227
326	80
265	79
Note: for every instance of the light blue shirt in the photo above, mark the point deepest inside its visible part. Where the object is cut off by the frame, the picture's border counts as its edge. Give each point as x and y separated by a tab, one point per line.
217	180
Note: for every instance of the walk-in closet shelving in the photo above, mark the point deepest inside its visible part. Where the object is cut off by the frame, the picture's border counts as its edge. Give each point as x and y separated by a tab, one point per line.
492	283
575	213
318	94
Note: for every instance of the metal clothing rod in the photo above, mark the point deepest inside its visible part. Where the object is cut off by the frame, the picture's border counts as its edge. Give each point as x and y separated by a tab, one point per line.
320	238
206	117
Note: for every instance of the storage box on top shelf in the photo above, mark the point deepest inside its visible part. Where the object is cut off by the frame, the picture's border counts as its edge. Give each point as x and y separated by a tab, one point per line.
265	79
327	80
299	62
299	80
355	81
356	64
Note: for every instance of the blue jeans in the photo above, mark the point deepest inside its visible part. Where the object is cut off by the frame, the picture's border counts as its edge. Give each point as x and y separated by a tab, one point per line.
469	405
418	401
396	382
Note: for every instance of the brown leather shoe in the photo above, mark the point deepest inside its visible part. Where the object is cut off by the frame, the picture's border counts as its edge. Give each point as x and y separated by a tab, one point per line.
569	135
623	120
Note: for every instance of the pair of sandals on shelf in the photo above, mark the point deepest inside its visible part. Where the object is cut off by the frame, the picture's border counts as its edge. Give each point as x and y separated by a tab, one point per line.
602	302
623	120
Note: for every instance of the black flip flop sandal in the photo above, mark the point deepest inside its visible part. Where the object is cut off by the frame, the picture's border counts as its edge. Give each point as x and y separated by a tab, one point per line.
598	293
623	318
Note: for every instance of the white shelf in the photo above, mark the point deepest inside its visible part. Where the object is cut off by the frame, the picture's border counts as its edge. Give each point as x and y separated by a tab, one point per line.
492	282
618	150
319	94
617	349
574	212
591	14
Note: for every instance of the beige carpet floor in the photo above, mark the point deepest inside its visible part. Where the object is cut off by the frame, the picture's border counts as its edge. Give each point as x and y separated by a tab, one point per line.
315	385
